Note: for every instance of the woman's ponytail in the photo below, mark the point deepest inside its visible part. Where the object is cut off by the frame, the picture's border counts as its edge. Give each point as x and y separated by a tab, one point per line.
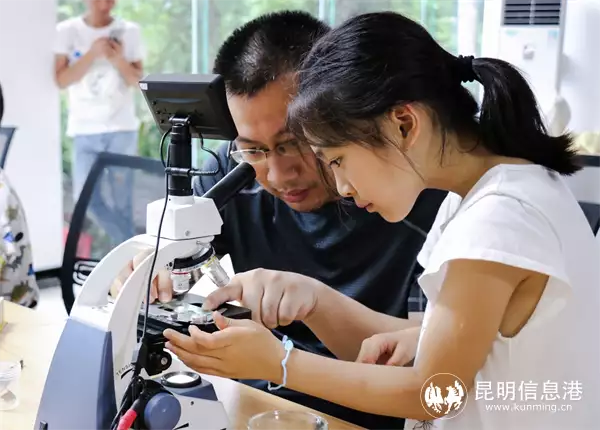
373	62
510	121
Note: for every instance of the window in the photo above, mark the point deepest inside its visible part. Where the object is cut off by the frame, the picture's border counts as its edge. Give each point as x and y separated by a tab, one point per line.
184	35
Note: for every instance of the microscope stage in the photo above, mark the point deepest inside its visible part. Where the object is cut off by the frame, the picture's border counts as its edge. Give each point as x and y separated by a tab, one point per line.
180	313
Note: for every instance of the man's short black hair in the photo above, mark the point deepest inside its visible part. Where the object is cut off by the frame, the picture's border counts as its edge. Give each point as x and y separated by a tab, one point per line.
265	48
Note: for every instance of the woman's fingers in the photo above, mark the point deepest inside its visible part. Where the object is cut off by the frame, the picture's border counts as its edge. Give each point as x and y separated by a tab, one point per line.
270	306
370	350
200	363
399	357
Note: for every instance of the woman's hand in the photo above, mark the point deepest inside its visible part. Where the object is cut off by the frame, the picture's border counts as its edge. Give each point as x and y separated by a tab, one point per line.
394	349
275	298
241	349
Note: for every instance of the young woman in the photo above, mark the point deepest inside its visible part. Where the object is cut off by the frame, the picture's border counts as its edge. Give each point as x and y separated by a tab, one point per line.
511	265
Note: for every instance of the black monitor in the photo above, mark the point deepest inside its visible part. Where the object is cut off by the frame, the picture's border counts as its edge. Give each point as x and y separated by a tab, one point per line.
200	98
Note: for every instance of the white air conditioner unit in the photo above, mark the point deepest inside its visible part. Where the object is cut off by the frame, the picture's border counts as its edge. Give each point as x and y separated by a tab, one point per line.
529	34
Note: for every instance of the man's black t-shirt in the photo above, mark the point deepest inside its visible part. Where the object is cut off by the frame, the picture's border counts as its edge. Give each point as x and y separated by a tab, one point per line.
356	252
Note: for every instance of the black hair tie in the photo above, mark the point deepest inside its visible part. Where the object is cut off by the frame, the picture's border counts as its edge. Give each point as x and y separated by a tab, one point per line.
464	68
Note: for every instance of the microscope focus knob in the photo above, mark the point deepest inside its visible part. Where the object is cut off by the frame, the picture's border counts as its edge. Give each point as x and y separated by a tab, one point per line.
162	412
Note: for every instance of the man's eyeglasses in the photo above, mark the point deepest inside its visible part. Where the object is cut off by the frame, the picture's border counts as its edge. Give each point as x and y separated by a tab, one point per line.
256	155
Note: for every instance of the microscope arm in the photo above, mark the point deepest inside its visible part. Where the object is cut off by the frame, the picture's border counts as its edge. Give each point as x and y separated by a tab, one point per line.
121	317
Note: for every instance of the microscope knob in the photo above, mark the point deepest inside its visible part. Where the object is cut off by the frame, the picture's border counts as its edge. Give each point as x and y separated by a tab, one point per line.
162	412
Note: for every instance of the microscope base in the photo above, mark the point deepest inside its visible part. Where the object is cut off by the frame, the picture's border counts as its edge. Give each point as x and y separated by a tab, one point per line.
82	396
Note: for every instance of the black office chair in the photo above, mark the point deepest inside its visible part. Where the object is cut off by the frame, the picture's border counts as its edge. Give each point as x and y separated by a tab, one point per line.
6	136
588	160
585	185
105	181
592	213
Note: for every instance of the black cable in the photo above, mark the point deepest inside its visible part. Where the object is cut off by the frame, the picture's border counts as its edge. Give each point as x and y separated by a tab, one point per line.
115	421
123	406
131	385
126	400
149	288
179	171
162	144
190	172
219	167
135	395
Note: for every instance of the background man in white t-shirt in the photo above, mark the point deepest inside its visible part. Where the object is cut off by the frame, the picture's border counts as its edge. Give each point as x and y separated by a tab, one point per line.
99	61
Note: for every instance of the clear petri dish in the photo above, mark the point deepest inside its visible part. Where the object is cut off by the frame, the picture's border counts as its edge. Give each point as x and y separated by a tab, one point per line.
287	420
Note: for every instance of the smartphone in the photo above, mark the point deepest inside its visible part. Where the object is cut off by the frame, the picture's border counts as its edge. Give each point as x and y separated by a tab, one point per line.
115	36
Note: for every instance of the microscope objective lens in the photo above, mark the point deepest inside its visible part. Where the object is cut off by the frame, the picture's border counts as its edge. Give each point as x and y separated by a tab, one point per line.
213	269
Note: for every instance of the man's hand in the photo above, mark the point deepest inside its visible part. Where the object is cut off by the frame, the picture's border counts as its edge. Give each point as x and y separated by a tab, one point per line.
115	50
101	48
393	349
275	298
67	74
162	286
131	72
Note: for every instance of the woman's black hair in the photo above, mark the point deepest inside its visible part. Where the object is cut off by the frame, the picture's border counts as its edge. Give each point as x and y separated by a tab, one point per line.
374	62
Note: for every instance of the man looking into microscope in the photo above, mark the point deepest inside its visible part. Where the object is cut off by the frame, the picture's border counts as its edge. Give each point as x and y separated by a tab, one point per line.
289	220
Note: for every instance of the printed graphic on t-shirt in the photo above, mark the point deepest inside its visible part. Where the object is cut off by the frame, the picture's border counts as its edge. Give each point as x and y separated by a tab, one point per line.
101	101
17	277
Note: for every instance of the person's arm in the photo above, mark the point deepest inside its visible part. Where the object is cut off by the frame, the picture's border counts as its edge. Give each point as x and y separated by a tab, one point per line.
458	339
336	313
66	74
462	323
127	55
131	72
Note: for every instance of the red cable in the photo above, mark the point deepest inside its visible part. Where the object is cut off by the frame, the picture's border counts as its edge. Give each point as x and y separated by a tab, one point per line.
126	422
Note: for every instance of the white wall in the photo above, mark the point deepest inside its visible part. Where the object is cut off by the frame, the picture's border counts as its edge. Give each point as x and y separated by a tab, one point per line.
579	74
492	19
34	163
467	27
580	84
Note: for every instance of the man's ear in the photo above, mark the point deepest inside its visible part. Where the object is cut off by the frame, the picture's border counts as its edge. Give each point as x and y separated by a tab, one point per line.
404	121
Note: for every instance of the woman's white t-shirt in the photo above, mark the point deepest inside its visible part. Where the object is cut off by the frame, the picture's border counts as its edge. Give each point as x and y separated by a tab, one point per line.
548	375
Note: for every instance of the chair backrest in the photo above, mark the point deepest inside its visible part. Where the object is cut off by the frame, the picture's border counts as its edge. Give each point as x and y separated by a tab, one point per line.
111	208
585	185
592	213
6	136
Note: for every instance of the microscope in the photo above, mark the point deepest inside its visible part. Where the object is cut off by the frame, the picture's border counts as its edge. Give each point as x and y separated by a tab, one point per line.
110	369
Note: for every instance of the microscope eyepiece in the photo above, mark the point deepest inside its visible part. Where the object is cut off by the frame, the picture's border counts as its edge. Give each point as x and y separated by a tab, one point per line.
241	176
